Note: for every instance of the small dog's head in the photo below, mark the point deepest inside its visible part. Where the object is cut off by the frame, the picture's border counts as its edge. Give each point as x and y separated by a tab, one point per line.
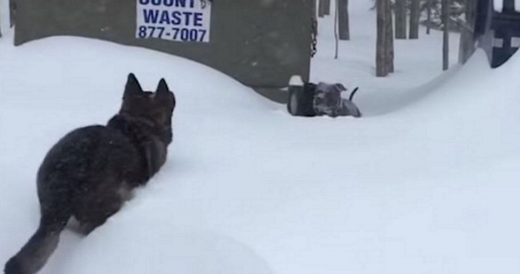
155	107
327	99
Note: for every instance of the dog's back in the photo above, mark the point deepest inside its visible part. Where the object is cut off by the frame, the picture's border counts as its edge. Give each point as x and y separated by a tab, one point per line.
90	171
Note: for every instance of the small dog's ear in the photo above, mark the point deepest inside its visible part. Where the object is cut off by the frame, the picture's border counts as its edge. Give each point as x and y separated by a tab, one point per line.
341	87
132	86
162	88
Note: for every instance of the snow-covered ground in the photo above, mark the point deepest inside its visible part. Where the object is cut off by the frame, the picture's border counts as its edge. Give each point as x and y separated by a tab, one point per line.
425	183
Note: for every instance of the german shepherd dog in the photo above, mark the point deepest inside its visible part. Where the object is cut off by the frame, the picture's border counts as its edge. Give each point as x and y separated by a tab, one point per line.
92	171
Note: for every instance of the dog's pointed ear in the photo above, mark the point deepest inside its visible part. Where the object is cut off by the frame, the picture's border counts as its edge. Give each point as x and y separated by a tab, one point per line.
163	91
132	86
162	88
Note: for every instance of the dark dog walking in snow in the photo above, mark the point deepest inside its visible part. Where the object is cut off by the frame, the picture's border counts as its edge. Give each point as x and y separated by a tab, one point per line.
91	171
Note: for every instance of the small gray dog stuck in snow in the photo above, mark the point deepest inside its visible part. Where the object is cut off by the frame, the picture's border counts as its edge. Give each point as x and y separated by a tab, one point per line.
309	99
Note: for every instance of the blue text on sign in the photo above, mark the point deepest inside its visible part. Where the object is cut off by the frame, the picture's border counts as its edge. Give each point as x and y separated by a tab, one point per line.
186	18
169	3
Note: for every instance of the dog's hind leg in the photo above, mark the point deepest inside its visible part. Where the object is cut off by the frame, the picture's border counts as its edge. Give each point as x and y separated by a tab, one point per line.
96	208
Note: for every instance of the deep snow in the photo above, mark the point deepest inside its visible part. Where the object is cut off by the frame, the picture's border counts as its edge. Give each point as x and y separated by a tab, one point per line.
425	185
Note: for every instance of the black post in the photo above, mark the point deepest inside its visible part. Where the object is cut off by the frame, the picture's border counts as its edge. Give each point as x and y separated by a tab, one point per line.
343	20
446	36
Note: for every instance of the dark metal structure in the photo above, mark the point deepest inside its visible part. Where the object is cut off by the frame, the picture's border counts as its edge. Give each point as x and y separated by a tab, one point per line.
498	32
261	43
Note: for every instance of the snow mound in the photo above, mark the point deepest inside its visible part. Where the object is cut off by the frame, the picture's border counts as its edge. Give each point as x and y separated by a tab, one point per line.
176	250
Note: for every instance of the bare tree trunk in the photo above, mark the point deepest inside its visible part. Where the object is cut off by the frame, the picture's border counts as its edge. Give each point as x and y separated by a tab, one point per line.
381	33
446	36
429	5
389	47
12	12
326	6
321	8
336	30
400	19
344	26
467	43
381	67
415	14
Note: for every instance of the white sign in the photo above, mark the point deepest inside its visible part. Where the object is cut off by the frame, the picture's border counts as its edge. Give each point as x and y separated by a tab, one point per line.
174	20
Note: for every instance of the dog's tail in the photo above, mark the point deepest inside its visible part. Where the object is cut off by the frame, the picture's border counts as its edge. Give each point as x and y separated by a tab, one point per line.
352	94
34	254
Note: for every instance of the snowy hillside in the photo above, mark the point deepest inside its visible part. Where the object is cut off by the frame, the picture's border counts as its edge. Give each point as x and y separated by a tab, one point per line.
426	183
